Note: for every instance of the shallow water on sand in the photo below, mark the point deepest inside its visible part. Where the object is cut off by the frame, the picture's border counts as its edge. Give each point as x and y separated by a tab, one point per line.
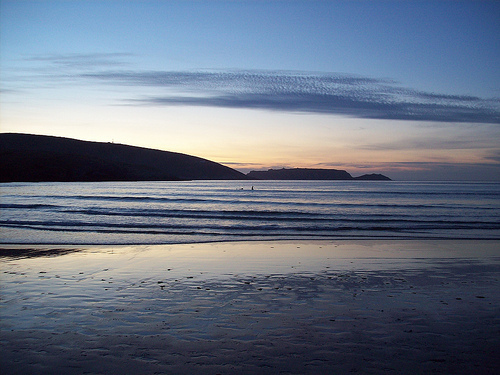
203	211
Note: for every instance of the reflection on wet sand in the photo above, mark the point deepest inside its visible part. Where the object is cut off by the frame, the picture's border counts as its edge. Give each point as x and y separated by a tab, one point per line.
247	308
21	253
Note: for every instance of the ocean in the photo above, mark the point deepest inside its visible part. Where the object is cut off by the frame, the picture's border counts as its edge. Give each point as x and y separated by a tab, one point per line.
204	211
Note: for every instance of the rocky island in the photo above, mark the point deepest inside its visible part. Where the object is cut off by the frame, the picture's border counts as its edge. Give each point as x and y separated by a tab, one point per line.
312	174
38	158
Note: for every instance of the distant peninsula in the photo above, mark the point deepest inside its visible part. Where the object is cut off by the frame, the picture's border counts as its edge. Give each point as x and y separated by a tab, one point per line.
41	158
37	158
312	174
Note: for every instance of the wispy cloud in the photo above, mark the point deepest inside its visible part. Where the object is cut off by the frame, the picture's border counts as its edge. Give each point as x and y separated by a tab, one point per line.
407	165
301	92
452	142
82	60
419	171
59	70
341	94
494	156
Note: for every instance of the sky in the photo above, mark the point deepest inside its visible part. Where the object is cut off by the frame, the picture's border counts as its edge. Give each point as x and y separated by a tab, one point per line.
409	89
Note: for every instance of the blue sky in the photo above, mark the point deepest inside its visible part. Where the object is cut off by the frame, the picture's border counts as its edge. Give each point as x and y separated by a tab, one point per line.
405	88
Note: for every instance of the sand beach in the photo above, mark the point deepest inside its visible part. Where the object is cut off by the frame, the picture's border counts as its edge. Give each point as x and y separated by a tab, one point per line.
264	307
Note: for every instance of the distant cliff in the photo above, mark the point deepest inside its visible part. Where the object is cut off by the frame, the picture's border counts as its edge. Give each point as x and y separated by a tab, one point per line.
311	174
373	177
25	157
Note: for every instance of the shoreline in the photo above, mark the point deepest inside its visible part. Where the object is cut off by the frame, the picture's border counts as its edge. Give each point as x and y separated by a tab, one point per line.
348	239
295	307
258	240
383	248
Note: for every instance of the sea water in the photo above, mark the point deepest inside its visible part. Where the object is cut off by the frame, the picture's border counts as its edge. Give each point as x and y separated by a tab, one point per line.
200	211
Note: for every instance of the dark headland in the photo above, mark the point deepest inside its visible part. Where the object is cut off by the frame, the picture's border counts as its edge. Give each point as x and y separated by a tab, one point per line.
37	158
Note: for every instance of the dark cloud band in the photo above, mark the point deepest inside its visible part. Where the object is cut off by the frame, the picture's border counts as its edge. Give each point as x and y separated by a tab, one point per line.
340	94
298	92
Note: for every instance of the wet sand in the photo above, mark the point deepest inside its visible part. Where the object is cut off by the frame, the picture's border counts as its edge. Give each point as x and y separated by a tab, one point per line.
295	307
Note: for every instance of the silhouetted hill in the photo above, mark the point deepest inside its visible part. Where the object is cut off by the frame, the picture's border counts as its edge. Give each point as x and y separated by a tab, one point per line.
25	157
373	177
310	174
300	174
